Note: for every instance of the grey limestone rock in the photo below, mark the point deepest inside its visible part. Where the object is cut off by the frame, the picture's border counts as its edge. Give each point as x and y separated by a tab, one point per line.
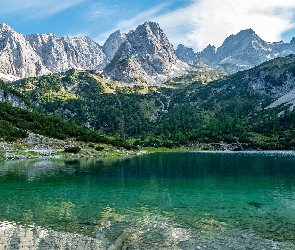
17	57
185	54
13	99
112	45
62	53
146	56
35	55
207	55
242	51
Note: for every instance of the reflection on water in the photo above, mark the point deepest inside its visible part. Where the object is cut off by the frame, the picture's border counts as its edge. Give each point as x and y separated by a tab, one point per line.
159	201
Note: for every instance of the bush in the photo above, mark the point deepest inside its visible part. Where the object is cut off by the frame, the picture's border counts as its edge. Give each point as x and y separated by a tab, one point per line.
99	148
74	150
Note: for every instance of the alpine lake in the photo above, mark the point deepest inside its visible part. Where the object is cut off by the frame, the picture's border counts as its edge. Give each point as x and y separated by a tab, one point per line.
197	200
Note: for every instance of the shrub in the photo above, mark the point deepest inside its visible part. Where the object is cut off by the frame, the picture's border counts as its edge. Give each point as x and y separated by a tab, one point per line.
99	148
74	150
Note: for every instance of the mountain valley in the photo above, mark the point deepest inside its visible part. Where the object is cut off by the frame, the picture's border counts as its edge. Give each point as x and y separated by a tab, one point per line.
136	90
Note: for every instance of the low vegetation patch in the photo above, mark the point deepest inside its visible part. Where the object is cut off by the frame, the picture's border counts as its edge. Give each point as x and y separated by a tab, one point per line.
74	150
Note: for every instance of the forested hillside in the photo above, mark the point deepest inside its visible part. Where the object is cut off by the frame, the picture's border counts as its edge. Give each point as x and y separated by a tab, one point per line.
205	107
15	123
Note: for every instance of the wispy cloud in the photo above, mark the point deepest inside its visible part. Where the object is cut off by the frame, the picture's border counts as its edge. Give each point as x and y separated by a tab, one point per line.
79	34
36	8
100	10
130	24
203	22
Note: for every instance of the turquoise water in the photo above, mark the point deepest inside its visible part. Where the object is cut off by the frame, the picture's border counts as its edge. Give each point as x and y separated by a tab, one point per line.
159	201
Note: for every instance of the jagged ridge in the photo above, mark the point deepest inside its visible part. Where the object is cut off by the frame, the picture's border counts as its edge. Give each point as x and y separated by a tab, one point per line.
146	56
238	52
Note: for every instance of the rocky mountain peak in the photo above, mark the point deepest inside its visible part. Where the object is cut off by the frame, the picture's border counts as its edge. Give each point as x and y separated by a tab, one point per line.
149	38
242	40
246	32
241	51
146	56
185	54
238	52
17	56
207	55
112	45
4	27
39	54
62	53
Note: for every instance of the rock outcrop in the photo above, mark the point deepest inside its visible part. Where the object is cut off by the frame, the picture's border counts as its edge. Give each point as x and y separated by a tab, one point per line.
62	53
35	55
17	57
146	56
112	45
241	51
185	54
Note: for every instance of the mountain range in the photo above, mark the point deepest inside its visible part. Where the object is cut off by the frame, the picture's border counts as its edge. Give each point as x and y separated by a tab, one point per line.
142	56
238	52
137	87
251	109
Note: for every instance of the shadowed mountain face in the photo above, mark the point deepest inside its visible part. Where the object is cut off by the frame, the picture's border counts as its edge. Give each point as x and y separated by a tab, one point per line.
238	52
185	54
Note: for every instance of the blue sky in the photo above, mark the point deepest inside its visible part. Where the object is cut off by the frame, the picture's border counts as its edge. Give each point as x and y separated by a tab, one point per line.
194	23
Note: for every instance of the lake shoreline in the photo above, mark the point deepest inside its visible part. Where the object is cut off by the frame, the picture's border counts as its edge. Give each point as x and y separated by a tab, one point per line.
41	147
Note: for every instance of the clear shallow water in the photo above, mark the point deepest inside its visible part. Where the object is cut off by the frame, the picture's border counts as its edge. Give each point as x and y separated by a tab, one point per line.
159	201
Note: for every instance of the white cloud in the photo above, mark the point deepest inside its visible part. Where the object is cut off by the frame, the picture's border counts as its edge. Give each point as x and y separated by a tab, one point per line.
36	8
203	22
79	34
214	20
99	10
130	24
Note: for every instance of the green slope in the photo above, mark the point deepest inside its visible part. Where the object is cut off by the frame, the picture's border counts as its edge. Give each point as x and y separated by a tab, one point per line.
186	110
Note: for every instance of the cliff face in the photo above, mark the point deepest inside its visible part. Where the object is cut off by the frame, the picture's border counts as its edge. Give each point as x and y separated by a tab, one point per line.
241	51
36	55
146	56
17	57
141	56
185	54
62	53
112	45
13	99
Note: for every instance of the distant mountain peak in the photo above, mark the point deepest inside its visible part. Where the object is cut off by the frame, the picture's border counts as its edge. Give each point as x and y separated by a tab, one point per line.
5	27
146	56
185	54
211	47
247	31
239	51
112	44
150	24
243	36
